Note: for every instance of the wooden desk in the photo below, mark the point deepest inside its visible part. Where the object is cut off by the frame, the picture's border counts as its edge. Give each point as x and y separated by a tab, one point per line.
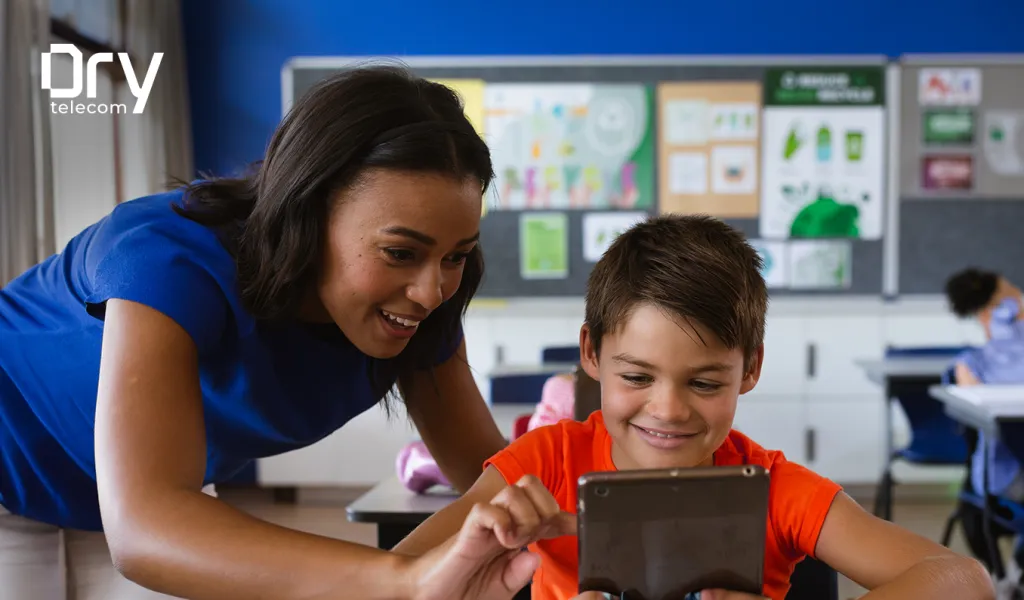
897	375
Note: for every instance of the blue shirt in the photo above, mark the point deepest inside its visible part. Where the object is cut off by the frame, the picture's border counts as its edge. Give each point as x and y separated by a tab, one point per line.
999	361
267	388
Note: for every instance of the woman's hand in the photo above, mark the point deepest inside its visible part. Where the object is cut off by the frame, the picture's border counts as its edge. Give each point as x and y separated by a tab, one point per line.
485	560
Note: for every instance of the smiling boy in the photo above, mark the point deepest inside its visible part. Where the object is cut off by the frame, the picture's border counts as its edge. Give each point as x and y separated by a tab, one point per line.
675	317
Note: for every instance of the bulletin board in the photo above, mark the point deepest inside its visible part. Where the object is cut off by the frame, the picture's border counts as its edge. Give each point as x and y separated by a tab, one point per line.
655	164
961	169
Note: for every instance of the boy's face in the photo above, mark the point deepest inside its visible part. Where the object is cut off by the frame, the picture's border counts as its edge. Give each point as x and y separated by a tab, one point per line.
668	389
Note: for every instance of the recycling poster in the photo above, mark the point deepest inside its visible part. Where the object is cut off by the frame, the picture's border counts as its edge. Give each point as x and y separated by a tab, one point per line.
823	173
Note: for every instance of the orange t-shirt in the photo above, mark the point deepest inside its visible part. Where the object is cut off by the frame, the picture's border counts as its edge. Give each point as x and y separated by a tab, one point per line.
558	454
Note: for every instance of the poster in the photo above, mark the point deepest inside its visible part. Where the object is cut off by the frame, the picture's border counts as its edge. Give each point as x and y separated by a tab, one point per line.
948	126
471	92
1003	143
544	245
571	145
775	262
708	148
819	264
947	172
823	172
949	87
601	229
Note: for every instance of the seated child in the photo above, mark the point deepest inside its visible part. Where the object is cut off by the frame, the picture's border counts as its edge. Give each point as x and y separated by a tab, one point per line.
557	400
999	306
675	318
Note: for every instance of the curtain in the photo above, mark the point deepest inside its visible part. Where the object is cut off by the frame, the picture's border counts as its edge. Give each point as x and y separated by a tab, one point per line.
166	127
26	195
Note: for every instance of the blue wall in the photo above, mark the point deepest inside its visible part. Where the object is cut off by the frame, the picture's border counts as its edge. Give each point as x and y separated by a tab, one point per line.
236	48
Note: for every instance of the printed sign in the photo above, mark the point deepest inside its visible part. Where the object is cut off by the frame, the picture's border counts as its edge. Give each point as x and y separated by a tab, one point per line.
948	126
949	87
947	172
857	86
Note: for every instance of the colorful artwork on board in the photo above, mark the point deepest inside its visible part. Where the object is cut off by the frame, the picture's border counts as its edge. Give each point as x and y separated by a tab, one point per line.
570	146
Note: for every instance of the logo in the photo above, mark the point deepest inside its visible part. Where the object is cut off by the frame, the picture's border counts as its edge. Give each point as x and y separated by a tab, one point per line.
88	75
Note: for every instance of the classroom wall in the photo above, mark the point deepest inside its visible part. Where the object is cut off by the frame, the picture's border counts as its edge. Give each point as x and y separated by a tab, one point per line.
236	48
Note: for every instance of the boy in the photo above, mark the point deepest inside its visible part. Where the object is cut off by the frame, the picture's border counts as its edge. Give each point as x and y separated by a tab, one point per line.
675	314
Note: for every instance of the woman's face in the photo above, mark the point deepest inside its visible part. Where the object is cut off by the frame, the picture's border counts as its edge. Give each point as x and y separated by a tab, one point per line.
395	248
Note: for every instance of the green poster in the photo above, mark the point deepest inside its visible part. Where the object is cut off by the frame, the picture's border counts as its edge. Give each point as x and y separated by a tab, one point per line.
825	86
948	126
544	245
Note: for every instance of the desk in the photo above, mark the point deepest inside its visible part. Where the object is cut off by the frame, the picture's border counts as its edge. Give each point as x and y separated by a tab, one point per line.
397	512
983	407
998	412
897	375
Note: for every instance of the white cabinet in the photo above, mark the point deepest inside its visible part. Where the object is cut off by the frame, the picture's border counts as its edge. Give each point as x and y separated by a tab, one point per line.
785	358
775	423
846	438
835	343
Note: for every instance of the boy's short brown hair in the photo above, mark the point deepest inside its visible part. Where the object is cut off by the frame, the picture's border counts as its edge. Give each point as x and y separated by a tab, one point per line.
694	266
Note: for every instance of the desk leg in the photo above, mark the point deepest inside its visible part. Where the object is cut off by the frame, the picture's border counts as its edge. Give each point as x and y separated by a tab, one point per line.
988	501
883	495
389	534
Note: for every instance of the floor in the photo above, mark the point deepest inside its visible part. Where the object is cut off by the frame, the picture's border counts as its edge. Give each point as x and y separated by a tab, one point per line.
323	512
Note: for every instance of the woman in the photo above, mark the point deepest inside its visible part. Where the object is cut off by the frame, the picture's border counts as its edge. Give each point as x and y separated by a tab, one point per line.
189	333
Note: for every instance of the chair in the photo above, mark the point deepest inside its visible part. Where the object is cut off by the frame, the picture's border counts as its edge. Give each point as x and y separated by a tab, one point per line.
560	354
935	438
519	427
813	580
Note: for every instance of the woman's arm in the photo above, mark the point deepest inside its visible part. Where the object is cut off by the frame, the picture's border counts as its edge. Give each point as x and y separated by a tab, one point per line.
163	532
453	419
893	562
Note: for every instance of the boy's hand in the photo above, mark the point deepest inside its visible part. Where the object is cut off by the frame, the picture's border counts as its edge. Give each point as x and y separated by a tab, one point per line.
534	514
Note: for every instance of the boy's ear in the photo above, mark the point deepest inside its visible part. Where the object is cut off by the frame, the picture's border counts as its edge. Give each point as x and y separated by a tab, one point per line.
753	373
588	357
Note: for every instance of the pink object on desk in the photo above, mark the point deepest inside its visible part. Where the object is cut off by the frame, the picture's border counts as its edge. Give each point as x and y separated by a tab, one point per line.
557	400
417	469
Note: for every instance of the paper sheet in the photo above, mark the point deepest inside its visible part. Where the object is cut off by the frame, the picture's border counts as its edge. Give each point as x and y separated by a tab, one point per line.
687	122
544	245
815	264
688	173
733	170
601	229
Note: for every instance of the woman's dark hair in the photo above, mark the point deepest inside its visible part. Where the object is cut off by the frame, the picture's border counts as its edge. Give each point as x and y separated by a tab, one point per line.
273	220
971	290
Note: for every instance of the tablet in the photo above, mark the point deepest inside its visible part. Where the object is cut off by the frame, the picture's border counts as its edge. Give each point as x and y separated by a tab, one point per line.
663	534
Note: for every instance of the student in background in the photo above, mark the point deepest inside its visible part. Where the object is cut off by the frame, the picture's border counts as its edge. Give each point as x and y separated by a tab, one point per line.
189	333
998	305
557	399
675	317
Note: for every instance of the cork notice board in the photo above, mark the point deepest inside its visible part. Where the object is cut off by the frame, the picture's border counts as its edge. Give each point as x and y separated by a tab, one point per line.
709	148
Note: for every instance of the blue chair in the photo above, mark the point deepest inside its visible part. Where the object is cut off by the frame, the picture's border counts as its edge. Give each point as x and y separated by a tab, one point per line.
561	354
936	439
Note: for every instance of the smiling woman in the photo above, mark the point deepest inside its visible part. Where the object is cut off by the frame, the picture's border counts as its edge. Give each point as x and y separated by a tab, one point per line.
237	318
